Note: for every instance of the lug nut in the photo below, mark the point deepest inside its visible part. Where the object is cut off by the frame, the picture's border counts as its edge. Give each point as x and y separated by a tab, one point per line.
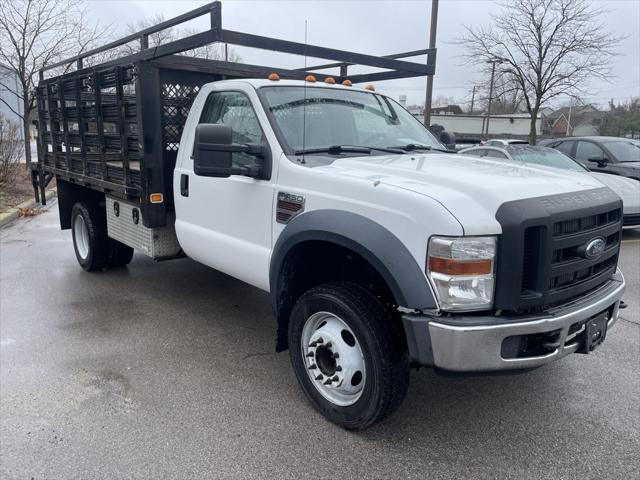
310	354
328	345
319	377
338	368
313	366
328	381
335	355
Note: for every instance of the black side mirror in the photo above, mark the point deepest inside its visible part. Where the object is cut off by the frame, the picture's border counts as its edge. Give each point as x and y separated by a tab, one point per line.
212	153
448	139
602	161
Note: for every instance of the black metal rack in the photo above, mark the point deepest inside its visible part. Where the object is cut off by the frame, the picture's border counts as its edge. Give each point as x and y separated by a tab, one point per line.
116	127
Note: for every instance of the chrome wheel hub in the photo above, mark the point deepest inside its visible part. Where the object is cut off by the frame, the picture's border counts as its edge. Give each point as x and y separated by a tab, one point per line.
333	358
81	236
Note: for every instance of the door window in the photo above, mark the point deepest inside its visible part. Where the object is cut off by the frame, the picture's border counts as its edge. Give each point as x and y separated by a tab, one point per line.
234	110
565	147
587	150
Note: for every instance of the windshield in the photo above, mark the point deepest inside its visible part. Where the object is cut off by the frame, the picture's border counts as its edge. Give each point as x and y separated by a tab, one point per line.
338	117
624	151
545	156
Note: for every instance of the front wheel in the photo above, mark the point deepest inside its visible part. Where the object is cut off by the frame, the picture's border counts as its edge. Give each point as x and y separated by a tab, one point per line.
347	356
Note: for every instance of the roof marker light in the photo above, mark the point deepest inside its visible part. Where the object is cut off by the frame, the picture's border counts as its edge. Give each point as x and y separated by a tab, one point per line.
370	88
347	83
330	80
310	78
274	77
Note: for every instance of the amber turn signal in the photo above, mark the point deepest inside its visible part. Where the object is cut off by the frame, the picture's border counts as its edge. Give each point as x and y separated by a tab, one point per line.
449	266
156	198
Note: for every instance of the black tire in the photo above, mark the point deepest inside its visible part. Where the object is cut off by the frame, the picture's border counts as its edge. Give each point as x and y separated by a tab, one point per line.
93	252
384	353
120	255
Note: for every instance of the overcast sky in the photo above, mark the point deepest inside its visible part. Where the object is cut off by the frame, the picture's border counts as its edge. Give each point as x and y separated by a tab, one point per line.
384	27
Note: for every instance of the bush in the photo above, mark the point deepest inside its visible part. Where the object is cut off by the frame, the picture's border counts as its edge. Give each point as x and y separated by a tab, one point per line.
11	149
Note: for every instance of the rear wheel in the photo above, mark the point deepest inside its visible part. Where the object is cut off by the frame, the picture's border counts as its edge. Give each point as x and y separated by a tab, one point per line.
94	249
347	356
90	239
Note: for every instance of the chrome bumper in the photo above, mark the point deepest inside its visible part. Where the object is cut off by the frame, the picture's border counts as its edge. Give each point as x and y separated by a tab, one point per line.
468	344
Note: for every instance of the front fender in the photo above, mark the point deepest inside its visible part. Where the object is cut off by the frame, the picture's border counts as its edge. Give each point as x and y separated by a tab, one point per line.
373	242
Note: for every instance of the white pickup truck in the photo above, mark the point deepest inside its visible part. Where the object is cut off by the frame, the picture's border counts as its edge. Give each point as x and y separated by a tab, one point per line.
380	249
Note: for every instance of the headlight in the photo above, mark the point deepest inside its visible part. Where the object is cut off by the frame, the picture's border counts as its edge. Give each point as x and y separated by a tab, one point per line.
462	270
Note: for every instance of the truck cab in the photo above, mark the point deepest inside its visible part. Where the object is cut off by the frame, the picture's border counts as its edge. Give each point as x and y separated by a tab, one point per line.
380	249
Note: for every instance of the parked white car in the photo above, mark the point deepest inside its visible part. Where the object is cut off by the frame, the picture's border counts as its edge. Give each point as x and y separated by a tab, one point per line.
504	142
627	188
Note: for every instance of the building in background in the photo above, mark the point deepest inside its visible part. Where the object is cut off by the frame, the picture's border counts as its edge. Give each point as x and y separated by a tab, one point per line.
447	110
577	121
9	84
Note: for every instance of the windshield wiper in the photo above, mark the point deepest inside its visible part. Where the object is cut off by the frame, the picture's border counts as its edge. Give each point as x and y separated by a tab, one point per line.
337	149
410	147
334	150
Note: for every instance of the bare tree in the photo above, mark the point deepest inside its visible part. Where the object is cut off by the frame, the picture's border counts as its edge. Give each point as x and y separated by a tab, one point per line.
10	151
34	34
443	101
215	51
549	48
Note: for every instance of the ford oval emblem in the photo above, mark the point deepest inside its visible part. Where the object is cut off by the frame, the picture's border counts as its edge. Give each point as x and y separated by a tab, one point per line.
594	248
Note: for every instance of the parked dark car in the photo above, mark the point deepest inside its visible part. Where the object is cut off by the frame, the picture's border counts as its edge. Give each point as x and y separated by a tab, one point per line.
619	156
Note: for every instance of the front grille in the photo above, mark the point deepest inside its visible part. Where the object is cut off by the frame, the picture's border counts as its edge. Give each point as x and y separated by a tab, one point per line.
568	268
632	220
543	259
575	225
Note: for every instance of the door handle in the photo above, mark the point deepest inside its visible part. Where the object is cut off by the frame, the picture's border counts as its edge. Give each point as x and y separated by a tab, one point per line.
184	185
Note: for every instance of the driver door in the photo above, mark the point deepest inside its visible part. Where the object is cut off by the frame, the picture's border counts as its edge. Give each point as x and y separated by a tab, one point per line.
225	223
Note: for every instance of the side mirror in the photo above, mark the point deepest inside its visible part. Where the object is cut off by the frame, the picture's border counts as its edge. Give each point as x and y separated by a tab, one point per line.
212	153
209	160
602	161
448	139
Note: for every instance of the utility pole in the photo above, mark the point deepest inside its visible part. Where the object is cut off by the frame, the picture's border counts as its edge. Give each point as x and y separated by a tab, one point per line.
473	97
493	72
432	44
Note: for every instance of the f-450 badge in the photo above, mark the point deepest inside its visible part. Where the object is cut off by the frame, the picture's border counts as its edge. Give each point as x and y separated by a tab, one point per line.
289	205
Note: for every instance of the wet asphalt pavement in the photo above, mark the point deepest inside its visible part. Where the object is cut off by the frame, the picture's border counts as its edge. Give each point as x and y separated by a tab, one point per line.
168	370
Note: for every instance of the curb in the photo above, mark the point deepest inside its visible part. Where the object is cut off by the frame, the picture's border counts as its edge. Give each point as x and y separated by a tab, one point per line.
14	212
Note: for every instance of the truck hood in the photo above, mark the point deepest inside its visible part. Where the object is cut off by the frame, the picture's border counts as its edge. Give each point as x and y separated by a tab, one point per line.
472	189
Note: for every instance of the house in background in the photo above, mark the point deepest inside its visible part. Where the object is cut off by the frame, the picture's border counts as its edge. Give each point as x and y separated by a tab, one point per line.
447	110
9	84
576	121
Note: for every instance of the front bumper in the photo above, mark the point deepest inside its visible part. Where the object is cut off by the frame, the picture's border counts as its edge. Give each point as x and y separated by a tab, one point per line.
475	344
